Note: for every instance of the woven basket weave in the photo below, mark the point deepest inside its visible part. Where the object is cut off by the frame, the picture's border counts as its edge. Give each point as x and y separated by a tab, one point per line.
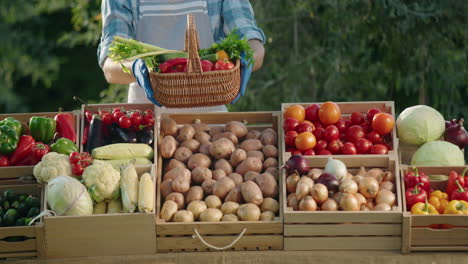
195	88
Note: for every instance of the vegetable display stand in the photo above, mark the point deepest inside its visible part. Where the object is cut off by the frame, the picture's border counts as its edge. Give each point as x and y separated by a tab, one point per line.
345	230
213	236
421	232
347	108
101	234
23	241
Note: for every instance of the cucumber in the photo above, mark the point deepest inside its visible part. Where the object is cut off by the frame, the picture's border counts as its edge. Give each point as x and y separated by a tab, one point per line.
33	201
164	57
9	218
211	57
33	212
23	209
21	221
9	195
123	151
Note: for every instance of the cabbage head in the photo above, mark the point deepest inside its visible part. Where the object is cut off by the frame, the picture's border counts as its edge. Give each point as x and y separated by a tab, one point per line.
420	124
67	196
438	153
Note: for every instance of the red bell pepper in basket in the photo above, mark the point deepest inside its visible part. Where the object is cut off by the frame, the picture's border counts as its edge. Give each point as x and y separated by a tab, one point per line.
23	149
451	184
4	162
414	177
65	126
38	151
173	65
415	195
460	194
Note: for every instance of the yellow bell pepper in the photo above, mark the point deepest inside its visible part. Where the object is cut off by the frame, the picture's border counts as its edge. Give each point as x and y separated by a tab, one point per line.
457	207
222	55
439	200
423	209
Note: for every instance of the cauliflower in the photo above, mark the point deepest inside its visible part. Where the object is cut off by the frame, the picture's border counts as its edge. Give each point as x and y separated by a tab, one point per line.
102	180
52	165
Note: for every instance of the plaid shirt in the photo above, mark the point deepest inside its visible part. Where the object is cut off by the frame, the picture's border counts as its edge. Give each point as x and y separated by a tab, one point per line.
120	18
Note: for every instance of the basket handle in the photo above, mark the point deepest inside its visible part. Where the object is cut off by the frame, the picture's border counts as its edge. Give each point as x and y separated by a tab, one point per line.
191	46
219	248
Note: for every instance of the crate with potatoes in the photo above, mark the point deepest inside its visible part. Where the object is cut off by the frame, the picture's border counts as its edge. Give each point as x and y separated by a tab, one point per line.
218	182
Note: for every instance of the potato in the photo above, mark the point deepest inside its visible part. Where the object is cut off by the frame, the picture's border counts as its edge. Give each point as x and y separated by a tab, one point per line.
173	163
168	127
222	148
267	184
269	137
235	195
257	154
250	175
270	151
166	187
237	178
186	132
251	193
168	210
224	165
249	164
184	216
191	144
199	160
270	162
172	174
229	208
237	128
205	148
237	157
222	187
202	137
200	127
211	215
182	154
274	172
227	135
201	174
267	216
216	130
269	204
213	201
178	198
253	134
218	174
195	193
168	147
207	186
230	218
197	207
180	184
251	144
249	212
293	202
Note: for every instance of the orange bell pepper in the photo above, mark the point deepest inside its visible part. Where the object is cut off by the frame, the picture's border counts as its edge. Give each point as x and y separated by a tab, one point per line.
439	200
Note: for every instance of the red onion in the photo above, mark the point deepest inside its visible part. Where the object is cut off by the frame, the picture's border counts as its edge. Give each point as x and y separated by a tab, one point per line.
456	134
330	181
297	163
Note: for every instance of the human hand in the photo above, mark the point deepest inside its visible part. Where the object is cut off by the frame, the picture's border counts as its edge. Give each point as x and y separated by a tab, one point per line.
141	73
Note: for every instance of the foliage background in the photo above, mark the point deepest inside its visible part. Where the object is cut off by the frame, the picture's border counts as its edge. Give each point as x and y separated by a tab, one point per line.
412	52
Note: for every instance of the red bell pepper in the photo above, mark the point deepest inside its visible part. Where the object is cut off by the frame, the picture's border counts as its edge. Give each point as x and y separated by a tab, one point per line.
38	151
4	162
27	161
460	193
66	126
415	195
466	176
23	149
207	65
451	184
413	178
85	134
176	64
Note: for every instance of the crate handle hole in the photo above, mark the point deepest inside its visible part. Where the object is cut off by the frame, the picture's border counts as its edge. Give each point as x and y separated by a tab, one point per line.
197	235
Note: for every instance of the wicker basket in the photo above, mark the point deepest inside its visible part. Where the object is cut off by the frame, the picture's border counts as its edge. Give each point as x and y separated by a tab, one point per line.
195	88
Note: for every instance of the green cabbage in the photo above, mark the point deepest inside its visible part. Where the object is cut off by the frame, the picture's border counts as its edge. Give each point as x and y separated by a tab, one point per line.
438	153
67	196
420	124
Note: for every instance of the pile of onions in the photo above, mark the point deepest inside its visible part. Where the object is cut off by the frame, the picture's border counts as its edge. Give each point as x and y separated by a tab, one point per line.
297	163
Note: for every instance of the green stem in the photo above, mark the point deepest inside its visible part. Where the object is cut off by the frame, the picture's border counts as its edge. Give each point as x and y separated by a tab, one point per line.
134	42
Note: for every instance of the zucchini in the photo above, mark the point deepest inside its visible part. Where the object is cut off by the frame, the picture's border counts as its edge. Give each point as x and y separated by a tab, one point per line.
123	151
211	57
164	57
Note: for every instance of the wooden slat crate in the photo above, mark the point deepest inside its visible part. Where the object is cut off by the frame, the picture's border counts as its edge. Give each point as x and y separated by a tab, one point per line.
344	230
264	235
347	108
14	172
101	234
32	244
418	236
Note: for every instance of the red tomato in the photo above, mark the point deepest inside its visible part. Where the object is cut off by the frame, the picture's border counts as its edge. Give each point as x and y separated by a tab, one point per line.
296	152
304	127
341	125
149	112
136	119
290	124
148	120
125	122
223	65
363	145
295	111
290	138
349	149
367	127
115	110
374	137
117	115
4	162
75	157
354	133
88	115
329	113
305	141
321	144
357	118
317	124
318	132
309	152
77	169
308	122
102	112
378	149
331	133
324	152
335	146
290	149
107	119
383	123
311	112
370	114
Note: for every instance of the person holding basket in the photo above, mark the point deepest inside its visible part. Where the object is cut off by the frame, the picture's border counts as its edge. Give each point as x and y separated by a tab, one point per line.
163	23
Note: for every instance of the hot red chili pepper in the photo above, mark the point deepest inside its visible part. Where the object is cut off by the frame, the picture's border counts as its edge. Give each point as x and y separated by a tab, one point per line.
66	126
173	64
4	162
451	184
460	193
224	65
38	151
413	178
415	195
23	149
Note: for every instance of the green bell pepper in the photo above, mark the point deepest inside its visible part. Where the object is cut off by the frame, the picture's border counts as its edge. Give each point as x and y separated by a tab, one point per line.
13	123
64	146
42	128
8	140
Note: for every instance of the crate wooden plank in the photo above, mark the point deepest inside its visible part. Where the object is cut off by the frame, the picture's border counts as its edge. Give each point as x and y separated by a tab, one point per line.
440	248
342	243
14	172
26	245
18	254
28	231
342	217
165	229
406	233
298	230
441	237
456	220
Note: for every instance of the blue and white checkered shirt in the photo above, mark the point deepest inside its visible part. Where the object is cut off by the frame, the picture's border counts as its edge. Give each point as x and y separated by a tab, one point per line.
120	18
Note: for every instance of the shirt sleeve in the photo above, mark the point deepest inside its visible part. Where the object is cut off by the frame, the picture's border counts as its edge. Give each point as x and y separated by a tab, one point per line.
239	14
117	18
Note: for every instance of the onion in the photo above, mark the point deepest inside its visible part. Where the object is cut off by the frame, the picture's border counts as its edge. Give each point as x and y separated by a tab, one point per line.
364	208
304	186
387	186
348	176
349	186
361	199
336	167
389	176
330	181
375	173
382	207
329	205
291	182
358	178
361	172
456	134
297	163
314	174
349	202
386	197
308	204
370	204
369	187
337	197
293	202
319	192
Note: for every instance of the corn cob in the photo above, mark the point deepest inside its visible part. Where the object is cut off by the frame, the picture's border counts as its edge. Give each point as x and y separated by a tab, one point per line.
100	208
146	194
129	189
114	207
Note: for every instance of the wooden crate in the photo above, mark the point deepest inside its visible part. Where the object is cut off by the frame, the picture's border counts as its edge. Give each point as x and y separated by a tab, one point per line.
177	237
14	172
347	108
418	236
101	234
341	230
32	236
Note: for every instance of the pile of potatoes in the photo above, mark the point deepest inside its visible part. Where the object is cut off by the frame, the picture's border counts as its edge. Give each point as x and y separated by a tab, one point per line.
218	173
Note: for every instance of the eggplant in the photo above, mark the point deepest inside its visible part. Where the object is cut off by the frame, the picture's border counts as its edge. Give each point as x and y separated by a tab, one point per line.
123	135
95	134
145	136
